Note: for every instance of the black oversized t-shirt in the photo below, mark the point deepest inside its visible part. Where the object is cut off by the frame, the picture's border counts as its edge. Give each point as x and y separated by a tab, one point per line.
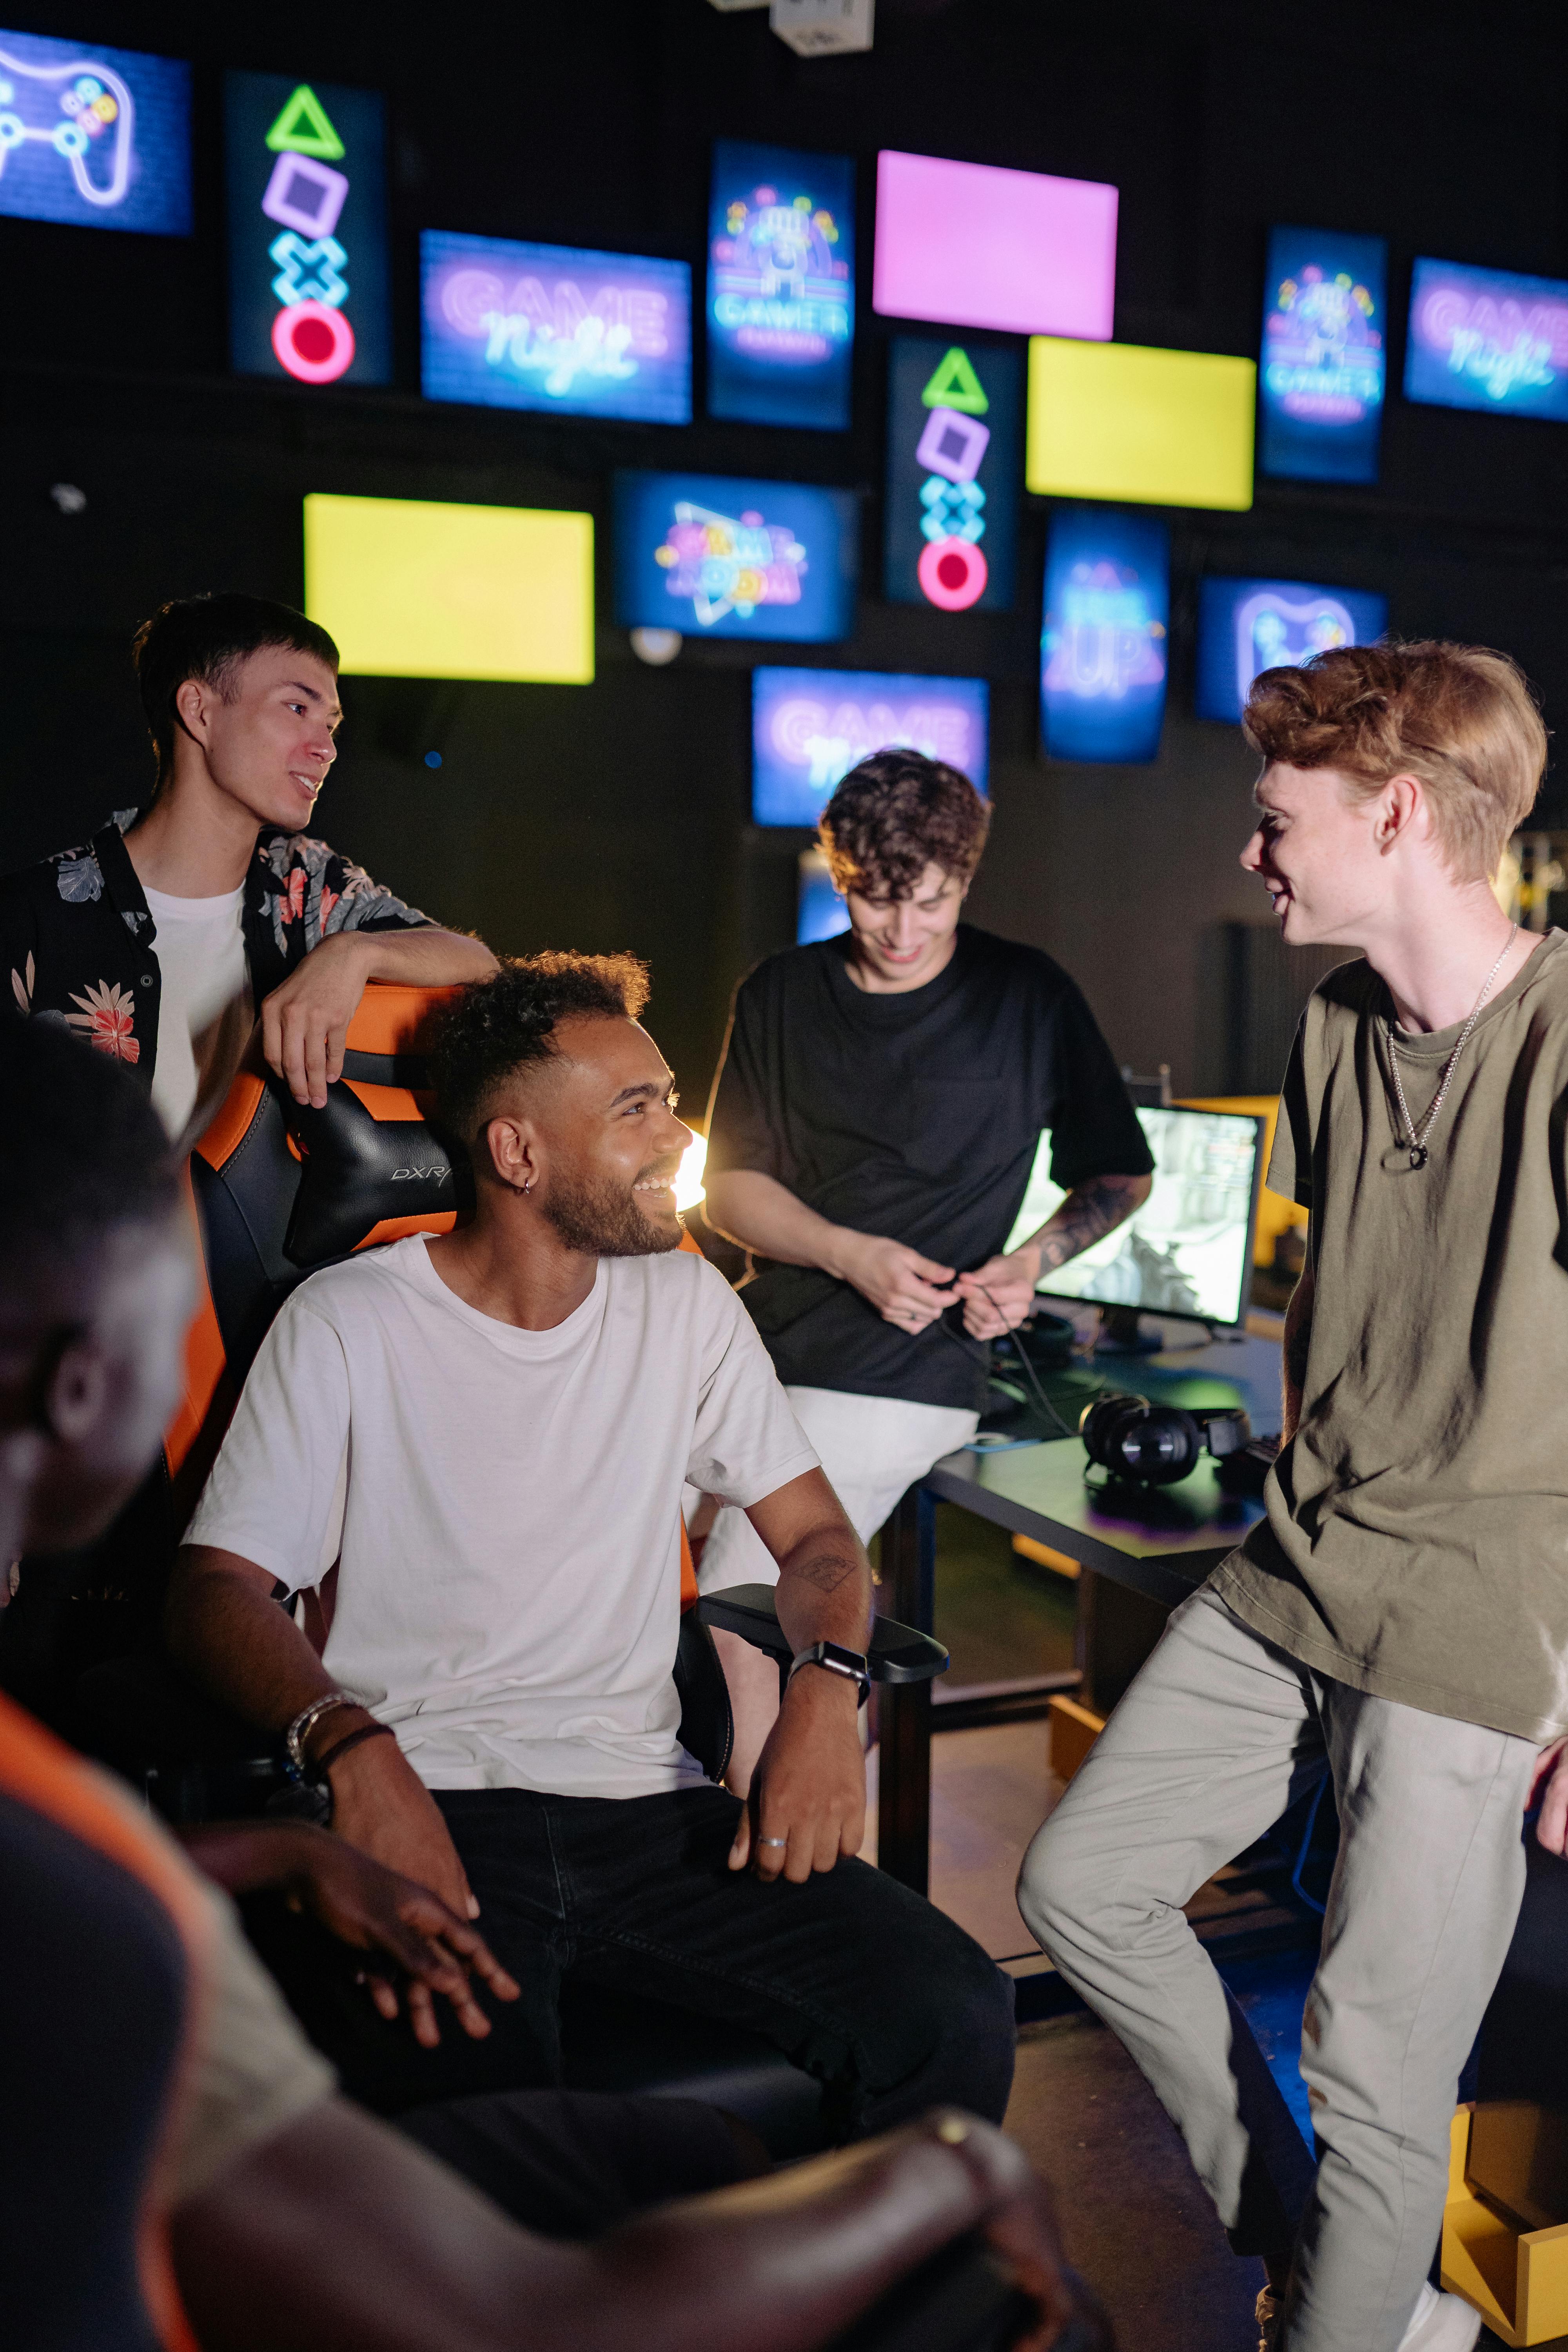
915	1116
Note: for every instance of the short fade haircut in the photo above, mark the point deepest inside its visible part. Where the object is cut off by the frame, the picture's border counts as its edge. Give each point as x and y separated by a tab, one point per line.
498	1025
894	815
1462	718
83	1152
206	638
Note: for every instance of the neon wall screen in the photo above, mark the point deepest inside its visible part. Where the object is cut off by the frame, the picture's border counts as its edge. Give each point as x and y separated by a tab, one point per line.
820	912
96	137
810	727
412	589
548	327
955	444
1105	645
1248	626
780	286
1324	357
718	558
306	172
1487	339
1118	421
969	245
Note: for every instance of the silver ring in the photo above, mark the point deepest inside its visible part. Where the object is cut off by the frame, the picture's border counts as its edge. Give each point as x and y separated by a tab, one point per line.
772	1841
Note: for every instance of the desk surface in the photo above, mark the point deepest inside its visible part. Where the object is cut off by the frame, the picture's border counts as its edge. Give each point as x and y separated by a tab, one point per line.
1166	1540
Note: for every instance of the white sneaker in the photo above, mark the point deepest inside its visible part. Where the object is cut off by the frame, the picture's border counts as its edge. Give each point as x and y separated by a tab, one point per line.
1441	2323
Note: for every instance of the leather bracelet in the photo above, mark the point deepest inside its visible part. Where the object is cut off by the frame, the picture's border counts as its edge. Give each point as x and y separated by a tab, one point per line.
350	1739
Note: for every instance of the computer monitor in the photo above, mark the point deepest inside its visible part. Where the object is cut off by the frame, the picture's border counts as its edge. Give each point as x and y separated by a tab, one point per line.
1188	1250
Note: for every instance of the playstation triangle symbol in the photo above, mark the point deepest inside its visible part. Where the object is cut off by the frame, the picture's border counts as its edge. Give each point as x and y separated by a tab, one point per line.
305	127
955	386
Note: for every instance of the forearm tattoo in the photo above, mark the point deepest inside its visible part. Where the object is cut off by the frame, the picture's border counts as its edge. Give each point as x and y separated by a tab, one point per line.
825	1569
1091	1210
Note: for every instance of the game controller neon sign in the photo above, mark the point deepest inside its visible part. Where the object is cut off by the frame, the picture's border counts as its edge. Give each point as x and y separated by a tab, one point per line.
1273	628
97	117
304	196
777	288
1502	344
726	563
1106	641
557	334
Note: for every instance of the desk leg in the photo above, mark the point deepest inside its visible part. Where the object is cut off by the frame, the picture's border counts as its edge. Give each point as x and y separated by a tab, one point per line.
907	1591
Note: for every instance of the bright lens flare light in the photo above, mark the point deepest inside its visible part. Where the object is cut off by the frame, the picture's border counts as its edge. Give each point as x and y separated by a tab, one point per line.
688	1177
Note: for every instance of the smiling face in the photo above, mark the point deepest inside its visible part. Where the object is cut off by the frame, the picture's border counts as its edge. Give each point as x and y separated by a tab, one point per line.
610	1145
901	943
267	736
1318	851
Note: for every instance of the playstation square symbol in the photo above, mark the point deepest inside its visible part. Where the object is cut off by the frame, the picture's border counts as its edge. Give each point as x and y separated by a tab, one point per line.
305	195
953	445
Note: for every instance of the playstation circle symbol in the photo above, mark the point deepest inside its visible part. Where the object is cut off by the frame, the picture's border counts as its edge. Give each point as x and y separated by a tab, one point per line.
314	342
953	574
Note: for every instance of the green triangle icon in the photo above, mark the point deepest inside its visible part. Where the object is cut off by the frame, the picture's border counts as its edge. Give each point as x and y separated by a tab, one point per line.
955	386
305	127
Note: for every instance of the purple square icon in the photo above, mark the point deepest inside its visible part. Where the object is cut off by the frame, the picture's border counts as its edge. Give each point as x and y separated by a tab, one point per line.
953	445
305	195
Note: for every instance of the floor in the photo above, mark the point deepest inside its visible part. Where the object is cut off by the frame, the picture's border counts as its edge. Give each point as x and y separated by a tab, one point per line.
1133	2217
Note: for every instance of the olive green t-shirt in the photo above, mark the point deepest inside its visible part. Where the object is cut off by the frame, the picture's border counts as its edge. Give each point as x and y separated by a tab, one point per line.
1415	1537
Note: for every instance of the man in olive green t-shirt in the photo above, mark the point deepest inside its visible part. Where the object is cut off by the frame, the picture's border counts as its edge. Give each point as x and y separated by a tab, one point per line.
1398	1619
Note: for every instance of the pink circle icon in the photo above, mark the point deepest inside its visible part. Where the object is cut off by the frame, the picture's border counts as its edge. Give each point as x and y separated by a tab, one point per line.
952	572
313	342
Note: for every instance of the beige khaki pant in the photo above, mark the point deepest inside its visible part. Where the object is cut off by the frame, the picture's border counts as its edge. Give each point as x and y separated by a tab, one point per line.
1218	1735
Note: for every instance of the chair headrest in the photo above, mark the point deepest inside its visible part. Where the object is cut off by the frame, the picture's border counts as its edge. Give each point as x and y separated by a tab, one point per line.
369	1160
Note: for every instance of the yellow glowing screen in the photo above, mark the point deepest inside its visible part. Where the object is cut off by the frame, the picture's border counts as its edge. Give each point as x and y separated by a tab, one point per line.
410	589
1116	421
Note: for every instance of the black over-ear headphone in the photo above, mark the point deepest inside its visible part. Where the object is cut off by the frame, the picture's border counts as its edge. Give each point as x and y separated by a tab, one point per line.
1155	1444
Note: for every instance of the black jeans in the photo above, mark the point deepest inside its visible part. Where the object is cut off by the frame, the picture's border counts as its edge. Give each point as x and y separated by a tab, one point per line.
856	1980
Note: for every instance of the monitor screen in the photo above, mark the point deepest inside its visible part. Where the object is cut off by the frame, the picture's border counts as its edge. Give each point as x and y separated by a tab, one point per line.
1188	1250
1248	626
306	230
956	414
810	727
820	912
1105	644
546	326
1487	339
718	558
97	137
411	588
1324	357
780	286
970	245
1116	421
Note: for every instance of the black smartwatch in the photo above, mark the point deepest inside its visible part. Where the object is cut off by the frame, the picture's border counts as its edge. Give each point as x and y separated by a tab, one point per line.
836	1660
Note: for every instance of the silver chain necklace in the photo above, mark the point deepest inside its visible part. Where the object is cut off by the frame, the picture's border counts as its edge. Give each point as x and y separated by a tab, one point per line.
1416	1144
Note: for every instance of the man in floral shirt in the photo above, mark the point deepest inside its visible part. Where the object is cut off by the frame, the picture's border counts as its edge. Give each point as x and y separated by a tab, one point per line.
159	939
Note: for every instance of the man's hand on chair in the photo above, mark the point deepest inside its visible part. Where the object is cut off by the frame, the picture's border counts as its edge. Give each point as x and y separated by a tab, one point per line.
810	1787
381	1805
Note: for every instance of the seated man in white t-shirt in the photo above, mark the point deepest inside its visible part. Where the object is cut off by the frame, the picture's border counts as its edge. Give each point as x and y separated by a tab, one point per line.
488	1434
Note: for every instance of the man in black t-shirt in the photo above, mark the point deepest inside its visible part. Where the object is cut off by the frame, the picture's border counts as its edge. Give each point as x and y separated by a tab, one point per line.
873	1124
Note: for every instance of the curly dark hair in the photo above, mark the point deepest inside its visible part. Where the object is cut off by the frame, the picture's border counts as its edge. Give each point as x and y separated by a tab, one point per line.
496	1025
83	1152
897	813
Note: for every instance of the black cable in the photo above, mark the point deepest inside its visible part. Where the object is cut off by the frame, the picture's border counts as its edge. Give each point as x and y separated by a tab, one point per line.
1033	1377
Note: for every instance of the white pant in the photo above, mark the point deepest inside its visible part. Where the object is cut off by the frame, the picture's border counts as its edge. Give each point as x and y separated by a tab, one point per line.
872	1450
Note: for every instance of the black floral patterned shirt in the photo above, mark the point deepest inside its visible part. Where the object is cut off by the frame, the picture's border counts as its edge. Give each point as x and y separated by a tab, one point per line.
79	944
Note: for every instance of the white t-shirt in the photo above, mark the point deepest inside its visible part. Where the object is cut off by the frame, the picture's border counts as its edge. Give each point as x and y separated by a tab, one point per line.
203	1004
509	1586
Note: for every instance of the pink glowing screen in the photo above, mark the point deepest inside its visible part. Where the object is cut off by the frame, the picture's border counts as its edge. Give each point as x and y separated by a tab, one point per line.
973	246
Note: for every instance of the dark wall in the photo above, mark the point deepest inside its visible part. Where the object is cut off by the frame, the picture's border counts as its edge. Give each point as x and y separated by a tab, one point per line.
616	814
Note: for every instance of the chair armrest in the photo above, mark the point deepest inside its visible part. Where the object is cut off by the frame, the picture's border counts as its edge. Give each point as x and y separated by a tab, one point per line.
895	1653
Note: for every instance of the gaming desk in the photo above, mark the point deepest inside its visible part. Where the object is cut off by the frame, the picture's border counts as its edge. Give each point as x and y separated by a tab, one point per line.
1138	1558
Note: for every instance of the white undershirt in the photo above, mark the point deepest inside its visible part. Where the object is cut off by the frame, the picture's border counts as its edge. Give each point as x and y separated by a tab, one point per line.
204	1005
503	1505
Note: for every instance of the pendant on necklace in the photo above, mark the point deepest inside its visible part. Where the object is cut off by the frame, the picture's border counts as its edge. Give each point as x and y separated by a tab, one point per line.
1418	1155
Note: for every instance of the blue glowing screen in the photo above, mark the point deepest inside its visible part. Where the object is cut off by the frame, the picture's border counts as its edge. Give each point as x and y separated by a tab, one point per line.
306	172
1104	649
780	286
820	912
1323	371
718	558
545	326
97	137
810	727
1247	625
1487	339
955	467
